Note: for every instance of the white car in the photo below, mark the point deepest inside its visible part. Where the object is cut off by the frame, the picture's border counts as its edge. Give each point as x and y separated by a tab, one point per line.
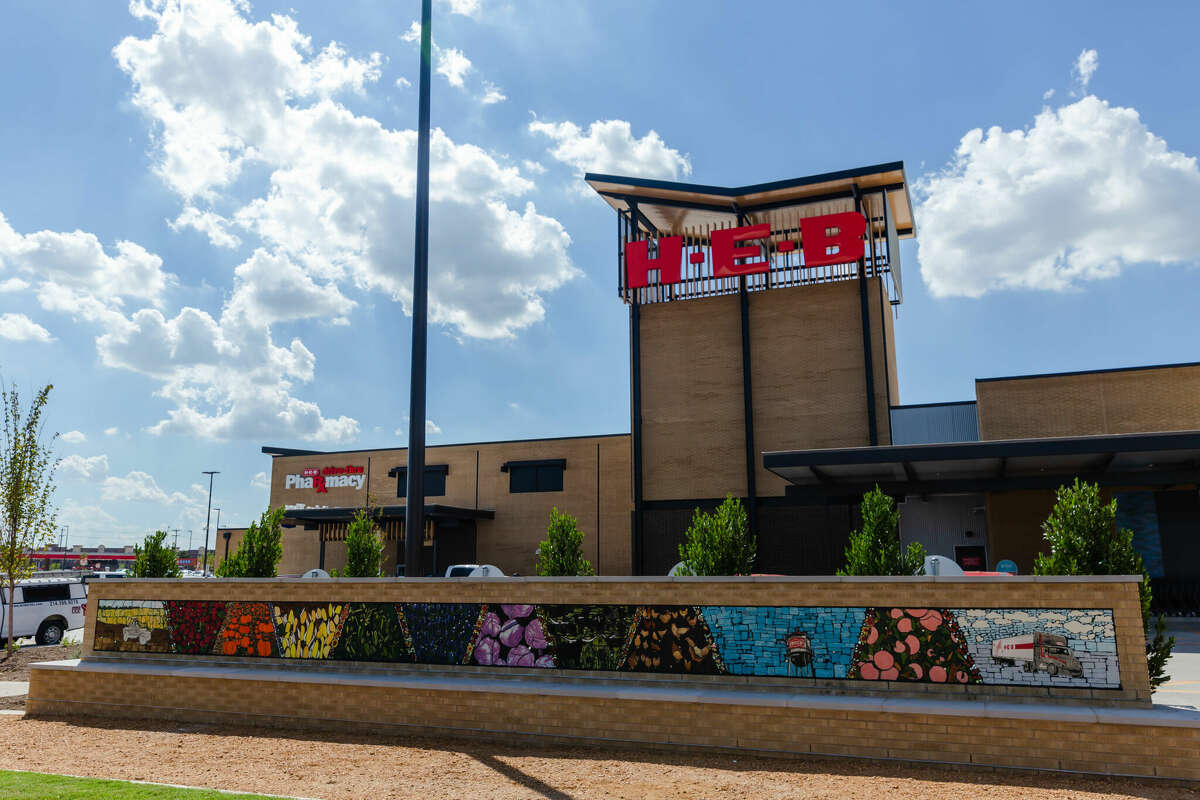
44	608
473	571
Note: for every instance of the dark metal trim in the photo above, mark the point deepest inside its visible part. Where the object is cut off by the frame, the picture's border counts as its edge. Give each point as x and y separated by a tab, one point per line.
537	462
442	468
290	451
748	402
727	191
909	471
821	477
671	202
431	510
1013	448
868	355
815	493
1088	372
933	405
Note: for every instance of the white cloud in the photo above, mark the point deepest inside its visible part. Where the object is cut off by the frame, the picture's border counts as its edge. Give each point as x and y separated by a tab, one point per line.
224	92
431	428
20	328
260	480
13	285
468	8
91	468
403	83
113	431
609	146
1082	193
450	62
533	167
492	94
138	487
271	288
212	225
1085	67
77	261
74	437
1048	94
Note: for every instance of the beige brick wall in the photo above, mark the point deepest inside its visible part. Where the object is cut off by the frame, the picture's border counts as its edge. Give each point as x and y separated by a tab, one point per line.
1125	401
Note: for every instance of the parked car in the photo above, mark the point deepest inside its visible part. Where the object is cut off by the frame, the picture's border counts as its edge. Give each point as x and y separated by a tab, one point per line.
473	571
44	608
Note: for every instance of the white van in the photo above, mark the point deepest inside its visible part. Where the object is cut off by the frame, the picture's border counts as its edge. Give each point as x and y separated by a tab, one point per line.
44	608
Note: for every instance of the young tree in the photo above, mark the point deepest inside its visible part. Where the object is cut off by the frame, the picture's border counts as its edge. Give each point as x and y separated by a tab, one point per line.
1084	540
561	552
719	543
156	559
874	548
27	515
364	548
259	550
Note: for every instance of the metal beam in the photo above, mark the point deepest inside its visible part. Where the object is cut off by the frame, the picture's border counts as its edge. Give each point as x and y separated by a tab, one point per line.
868	354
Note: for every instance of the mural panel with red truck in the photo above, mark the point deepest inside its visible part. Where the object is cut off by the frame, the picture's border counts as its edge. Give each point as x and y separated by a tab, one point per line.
1047	652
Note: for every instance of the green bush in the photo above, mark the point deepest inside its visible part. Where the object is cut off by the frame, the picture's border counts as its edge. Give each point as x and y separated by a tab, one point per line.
1084	540
561	552
719	543
259	550
155	559
874	548
364	549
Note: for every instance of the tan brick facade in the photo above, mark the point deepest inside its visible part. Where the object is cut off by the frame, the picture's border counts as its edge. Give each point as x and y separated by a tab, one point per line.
1091	403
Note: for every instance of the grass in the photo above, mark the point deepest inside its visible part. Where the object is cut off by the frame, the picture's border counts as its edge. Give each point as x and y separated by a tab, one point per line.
60	787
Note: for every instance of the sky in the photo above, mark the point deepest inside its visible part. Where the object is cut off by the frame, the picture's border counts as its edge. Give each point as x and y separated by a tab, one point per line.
206	209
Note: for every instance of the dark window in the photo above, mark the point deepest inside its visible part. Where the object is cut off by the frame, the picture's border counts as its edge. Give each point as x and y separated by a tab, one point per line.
435	480
535	476
44	594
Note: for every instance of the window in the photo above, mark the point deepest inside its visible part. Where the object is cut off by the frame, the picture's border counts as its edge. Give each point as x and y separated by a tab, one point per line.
435	480
44	594
535	476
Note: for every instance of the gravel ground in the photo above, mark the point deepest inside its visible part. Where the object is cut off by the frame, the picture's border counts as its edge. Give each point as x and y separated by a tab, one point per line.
17	667
381	768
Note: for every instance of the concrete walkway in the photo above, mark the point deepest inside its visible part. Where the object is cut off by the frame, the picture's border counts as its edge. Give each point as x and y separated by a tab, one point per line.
13	688
1184	667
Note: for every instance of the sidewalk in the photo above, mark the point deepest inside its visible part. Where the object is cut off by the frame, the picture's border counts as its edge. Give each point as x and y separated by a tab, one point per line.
1184	667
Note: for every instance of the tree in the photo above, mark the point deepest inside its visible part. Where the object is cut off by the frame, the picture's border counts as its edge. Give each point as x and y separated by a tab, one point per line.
364	548
875	548
259	551
561	552
156	559
1084	540
719	543
27	515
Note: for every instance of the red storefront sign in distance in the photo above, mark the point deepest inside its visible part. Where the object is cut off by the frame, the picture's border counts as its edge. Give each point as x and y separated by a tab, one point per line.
828	239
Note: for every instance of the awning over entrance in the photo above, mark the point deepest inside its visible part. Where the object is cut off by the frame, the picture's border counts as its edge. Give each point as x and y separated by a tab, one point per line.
1154	459
332	522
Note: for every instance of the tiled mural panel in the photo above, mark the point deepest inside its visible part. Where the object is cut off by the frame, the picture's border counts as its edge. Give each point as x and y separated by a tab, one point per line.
1023	647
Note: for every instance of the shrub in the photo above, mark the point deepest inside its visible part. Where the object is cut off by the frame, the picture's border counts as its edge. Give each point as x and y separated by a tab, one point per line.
561	552
1084	540
875	548
364	548
259	550
719	543
155	559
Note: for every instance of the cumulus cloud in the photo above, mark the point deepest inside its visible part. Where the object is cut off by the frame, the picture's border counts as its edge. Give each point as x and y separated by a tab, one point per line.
213	225
431	428
403	83
609	146
74	437
91	468
337	181
77	261
468	8
260	480
20	328
113	431
492	94
13	285
449	62
138	487
272	288
1084	192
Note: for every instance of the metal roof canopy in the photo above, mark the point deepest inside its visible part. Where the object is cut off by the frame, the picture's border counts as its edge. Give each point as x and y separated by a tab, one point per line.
672	208
1155	459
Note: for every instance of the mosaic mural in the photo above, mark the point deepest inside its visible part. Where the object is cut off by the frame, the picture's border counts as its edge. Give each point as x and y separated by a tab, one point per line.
1022	647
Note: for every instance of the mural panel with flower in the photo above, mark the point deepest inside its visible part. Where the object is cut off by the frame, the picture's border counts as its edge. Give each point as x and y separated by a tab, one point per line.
912	644
308	630
194	625
248	631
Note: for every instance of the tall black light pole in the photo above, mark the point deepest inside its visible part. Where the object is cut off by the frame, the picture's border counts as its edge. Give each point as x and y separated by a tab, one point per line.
414	512
207	517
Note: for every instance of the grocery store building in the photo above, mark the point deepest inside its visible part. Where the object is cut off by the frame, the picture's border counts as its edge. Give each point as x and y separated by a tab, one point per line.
763	365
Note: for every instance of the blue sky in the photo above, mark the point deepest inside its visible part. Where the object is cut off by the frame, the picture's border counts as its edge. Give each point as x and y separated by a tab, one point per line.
205	240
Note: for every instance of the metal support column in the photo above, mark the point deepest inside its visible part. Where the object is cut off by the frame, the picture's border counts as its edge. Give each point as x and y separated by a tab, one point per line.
748	403
868	359
635	383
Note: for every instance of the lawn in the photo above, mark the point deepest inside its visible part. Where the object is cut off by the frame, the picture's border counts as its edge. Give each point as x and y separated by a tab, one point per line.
60	787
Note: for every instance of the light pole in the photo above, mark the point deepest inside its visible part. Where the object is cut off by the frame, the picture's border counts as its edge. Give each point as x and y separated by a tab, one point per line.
414	511
207	517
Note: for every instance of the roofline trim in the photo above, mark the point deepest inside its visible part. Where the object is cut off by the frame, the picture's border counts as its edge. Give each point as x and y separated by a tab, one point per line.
734	191
934	405
1087	372
271	450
